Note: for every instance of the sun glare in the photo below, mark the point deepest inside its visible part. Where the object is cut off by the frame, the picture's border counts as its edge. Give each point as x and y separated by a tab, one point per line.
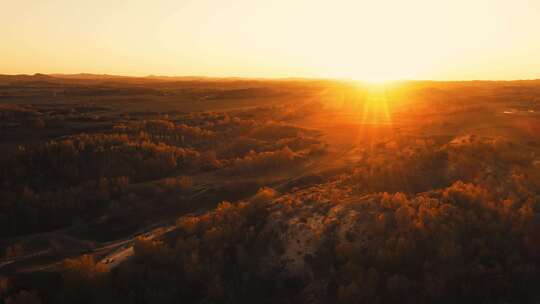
375	105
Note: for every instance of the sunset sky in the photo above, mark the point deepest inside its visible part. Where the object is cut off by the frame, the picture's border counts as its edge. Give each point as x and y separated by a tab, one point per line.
362	39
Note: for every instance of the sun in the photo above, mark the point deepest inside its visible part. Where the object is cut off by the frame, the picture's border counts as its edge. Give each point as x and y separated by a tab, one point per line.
377	79
380	75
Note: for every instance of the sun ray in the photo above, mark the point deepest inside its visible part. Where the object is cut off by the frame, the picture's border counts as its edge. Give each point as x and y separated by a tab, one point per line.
376	108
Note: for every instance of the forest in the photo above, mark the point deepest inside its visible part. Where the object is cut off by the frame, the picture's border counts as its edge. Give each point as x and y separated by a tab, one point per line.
146	190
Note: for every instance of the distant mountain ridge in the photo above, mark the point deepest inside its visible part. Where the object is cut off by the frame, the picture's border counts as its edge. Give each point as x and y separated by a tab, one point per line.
160	78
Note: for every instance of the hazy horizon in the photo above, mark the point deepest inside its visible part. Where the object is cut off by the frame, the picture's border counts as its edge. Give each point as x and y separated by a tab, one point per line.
187	76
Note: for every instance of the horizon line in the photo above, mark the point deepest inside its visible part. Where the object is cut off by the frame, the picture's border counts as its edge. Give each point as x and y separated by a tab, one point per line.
260	78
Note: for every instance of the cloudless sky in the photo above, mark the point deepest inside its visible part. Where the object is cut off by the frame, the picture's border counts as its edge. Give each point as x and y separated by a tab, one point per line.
361	39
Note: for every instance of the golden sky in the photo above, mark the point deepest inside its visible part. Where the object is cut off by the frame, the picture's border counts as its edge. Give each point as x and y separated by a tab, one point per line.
361	39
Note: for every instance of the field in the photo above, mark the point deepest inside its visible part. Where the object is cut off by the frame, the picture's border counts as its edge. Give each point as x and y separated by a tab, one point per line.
202	190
